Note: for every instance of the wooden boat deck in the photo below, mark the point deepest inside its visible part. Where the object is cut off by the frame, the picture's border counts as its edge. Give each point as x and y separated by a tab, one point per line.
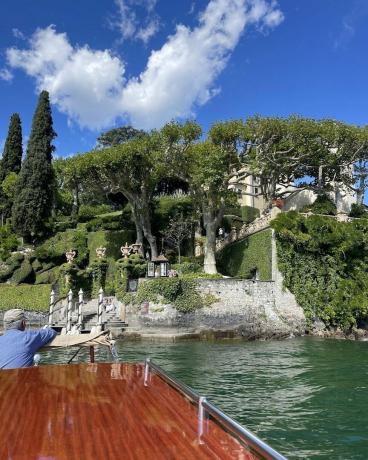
103	411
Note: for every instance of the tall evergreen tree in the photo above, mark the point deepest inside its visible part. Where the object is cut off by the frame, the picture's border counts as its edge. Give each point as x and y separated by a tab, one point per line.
13	150
34	193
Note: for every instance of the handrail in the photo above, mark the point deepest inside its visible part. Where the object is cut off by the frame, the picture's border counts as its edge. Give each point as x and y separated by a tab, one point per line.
185	389
256	444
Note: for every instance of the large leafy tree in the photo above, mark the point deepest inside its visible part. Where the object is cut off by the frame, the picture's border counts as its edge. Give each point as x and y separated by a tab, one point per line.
117	136
35	187
132	168
210	166
13	149
275	151
288	154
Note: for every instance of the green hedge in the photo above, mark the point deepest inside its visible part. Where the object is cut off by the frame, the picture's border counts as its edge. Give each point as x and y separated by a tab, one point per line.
48	276
325	265
54	248
249	214
23	274
166	207
110	240
26	296
244	258
87	212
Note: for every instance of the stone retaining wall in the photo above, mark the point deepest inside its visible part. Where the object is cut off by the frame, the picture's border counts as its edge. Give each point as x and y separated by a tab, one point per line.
250	309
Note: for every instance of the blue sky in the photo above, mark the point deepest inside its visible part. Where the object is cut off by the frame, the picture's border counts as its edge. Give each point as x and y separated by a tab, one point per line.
111	62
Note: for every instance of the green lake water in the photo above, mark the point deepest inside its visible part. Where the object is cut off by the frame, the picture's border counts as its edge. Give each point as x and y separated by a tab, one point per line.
307	397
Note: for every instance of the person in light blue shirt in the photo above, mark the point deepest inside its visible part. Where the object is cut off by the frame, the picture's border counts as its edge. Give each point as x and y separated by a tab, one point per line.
18	346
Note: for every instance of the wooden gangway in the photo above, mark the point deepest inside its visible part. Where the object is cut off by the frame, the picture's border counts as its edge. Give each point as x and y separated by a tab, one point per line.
114	411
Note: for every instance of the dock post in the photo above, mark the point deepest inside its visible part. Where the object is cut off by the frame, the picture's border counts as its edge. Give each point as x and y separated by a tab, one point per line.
51	308
99	309
69	311
80	303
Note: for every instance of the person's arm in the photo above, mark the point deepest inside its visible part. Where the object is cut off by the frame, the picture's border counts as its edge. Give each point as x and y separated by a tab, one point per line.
41	337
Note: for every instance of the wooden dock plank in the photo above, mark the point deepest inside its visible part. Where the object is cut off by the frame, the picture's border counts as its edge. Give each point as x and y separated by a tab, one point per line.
103	411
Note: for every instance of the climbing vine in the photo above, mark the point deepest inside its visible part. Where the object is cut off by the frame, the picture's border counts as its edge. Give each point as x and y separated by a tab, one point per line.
325	264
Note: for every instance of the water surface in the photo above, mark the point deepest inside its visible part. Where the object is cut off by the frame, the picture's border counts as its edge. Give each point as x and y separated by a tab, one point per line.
306	397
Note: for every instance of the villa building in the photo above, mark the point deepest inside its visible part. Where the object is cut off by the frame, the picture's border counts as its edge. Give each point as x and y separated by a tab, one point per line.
248	190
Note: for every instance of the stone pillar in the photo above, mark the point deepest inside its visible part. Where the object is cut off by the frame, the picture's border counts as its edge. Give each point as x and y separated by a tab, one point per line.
99	309
51	308
80	303
69	311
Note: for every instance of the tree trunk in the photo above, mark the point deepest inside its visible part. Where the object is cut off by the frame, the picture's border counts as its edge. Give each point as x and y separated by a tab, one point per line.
210	249
211	221
139	230
361	189
145	220
76	204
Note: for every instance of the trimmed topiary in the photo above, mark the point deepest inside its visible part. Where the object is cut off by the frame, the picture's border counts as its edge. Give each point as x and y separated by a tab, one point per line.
23	274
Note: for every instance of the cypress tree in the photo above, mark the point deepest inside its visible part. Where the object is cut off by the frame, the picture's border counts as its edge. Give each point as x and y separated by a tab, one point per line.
13	150
34	193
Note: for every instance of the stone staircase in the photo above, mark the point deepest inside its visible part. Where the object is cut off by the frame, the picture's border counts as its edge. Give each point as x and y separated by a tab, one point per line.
109	319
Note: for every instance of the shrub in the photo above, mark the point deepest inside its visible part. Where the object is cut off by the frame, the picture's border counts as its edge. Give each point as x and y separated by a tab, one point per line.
113	221
358	210
322	205
23	274
88	212
111	240
48	276
167	207
97	271
8	242
36	265
54	249
135	265
68	278
28	297
187	267
249	214
182	294
62	226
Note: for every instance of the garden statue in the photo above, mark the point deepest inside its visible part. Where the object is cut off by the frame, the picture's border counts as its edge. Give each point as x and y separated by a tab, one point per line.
136	247
70	255
100	252
125	250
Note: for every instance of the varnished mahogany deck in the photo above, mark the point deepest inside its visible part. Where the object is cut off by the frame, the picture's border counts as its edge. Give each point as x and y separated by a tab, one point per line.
102	411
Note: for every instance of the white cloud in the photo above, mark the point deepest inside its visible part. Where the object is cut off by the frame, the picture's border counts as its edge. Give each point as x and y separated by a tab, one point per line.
84	84
147	32
130	25
18	34
88	85
6	75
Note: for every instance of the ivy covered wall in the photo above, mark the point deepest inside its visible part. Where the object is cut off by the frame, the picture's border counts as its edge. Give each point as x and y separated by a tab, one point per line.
325	265
244	258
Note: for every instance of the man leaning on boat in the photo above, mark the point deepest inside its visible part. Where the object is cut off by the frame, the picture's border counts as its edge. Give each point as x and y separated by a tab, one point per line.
18	346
